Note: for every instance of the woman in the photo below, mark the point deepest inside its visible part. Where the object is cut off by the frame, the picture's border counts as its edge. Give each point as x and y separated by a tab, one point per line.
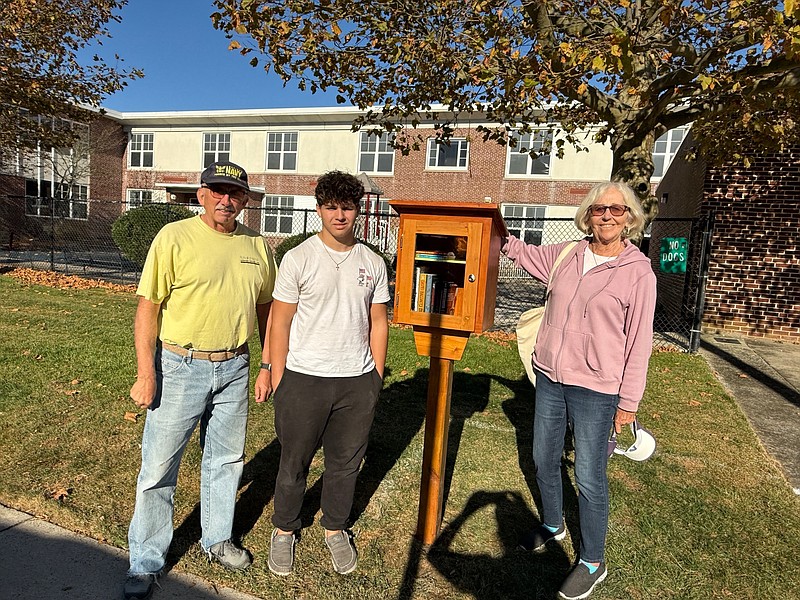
590	361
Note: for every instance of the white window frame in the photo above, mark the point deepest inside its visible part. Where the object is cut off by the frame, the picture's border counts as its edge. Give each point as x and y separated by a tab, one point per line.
283	146
375	150
216	147
281	208
141	150
525	221
136	197
433	154
665	148
538	167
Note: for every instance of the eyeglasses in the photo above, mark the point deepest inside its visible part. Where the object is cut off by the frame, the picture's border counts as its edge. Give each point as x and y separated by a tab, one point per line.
616	210
234	193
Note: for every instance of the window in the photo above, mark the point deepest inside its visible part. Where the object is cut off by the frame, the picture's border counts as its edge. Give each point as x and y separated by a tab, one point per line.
278	212
138	198
216	147
520	163
282	151
524	221
67	202
140	151
665	149
72	203
448	156
376	154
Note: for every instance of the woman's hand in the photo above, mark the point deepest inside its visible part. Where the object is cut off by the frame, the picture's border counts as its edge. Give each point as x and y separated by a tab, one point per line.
622	418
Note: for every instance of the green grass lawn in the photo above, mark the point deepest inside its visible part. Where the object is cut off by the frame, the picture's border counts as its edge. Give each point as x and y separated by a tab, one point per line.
709	516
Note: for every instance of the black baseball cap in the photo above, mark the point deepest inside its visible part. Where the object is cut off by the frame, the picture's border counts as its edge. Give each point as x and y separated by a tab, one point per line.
225	172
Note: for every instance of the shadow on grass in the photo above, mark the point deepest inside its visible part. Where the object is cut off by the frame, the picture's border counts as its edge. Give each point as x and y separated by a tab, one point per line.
513	574
399	418
259	479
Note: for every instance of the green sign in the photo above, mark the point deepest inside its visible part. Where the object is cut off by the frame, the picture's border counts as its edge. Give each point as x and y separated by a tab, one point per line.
674	252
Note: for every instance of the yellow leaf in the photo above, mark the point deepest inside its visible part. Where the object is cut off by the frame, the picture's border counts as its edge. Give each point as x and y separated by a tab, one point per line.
788	7
336	29
131	416
582	88
616	50
599	63
233	45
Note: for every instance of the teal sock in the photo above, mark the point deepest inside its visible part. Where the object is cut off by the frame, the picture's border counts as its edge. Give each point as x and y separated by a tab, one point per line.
590	566
551	529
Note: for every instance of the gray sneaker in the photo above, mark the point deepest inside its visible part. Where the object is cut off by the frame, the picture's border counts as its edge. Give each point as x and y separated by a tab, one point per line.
344	555
139	586
229	555
580	582
536	539
281	552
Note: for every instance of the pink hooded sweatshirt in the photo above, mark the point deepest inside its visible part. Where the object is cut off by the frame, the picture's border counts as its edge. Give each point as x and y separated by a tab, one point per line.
597	331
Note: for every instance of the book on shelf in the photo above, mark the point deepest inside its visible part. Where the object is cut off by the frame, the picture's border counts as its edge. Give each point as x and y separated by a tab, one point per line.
431	283
420	295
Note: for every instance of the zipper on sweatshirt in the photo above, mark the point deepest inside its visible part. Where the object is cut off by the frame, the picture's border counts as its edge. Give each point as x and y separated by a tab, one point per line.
557	366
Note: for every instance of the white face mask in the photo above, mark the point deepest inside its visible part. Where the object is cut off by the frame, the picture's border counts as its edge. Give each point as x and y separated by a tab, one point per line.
643	447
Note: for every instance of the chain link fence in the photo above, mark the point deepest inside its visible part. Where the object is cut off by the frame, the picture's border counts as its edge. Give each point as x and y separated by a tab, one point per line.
41	234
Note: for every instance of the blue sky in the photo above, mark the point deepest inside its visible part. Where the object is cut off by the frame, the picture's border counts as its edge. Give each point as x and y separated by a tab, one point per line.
187	63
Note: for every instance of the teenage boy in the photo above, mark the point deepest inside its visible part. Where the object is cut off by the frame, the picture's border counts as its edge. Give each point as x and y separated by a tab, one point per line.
328	344
205	282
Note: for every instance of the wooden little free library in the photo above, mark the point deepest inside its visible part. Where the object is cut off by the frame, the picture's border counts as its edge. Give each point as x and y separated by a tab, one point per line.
446	284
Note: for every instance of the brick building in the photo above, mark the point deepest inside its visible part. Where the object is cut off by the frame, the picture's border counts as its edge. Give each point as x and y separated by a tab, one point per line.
753	283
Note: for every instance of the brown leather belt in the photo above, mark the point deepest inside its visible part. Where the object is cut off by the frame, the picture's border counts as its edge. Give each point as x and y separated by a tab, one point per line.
212	356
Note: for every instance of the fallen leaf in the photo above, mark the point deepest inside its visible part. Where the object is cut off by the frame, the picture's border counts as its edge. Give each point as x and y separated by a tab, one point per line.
75	382
694	403
743	375
403	372
39	357
467	370
71	393
131	416
60	493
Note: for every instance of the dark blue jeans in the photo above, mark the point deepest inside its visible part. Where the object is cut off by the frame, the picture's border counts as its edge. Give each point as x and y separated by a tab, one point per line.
590	415
335	412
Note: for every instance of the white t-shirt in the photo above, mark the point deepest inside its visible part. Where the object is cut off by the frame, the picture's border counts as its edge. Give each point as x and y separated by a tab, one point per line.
329	335
592	260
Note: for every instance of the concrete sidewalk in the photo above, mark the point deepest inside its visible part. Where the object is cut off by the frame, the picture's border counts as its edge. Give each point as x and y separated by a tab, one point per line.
764	378
40	561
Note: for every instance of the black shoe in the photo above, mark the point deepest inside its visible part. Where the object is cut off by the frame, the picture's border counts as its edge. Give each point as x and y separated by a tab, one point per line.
536	539
139	586
229	555
580	583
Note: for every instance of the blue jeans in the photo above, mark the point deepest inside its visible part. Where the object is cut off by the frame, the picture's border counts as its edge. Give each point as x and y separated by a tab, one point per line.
189	391
590	415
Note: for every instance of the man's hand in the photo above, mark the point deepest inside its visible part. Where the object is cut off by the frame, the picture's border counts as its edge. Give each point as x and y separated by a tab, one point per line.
143	391
263	387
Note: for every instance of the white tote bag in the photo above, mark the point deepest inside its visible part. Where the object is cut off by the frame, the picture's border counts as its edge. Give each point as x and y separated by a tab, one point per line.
530	320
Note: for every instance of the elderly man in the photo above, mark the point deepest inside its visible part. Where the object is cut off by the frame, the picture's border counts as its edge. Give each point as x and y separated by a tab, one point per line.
205	283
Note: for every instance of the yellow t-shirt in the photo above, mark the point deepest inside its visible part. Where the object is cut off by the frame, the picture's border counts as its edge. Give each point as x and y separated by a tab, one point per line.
208	283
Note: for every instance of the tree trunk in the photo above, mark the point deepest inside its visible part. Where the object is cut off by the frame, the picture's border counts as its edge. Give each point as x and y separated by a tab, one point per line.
633	164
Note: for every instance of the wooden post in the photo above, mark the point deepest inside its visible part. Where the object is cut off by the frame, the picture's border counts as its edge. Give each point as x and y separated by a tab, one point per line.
437	421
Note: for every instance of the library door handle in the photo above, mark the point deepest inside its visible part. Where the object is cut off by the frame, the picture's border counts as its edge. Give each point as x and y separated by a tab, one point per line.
471	278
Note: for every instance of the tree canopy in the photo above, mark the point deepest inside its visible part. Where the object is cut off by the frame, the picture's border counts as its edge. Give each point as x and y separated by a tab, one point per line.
629	70
44	82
